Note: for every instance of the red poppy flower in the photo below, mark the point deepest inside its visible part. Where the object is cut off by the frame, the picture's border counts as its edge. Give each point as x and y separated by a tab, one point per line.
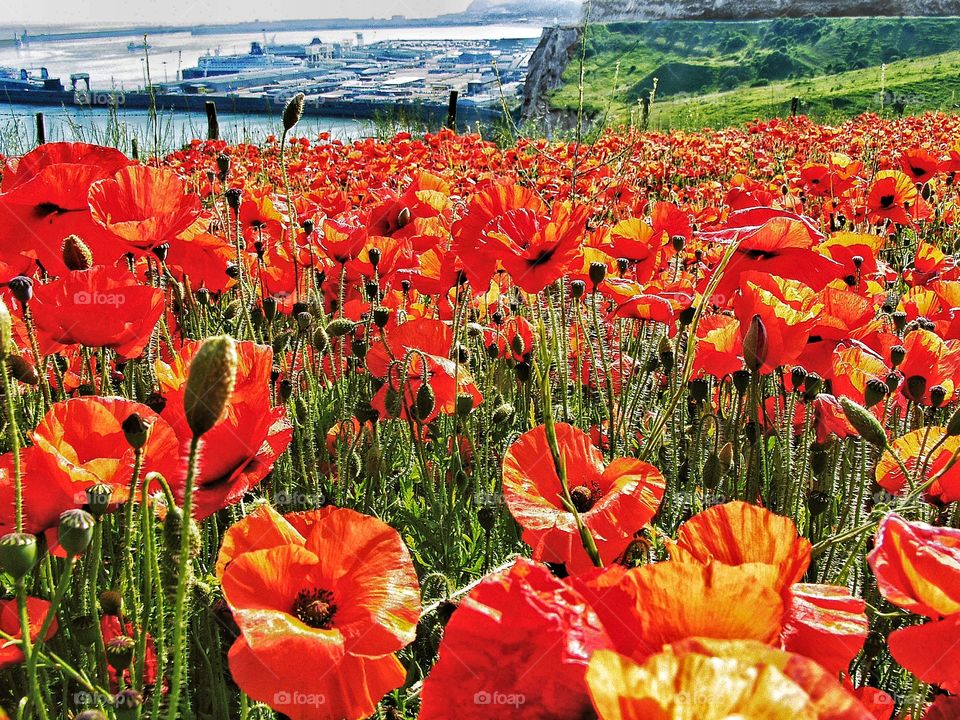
917	567
929	361
100	307
717	679
920	164
323	600
45	496
240	449
37	609
719	350
526	619
613	502
931	448
82	440
44	199
892	196
143	206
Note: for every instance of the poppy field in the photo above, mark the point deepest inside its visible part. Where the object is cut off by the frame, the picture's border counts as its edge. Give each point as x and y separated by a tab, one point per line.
662	426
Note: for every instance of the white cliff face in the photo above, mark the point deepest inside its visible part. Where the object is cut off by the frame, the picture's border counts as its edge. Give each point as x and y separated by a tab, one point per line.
557	47
607	10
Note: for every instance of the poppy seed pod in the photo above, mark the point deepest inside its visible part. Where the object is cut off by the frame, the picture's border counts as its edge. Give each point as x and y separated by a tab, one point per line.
136	431
577	288
126	704
897	354
76	254
864	422
741	380
22	370
22	288
293	112
18	554
797	376
223	167
75	531
875	391
120	652
210	383
597	273
234	195
755	344
98	499
916	387
938	393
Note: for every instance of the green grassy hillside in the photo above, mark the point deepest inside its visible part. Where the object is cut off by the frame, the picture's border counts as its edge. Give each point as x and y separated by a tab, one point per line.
715	73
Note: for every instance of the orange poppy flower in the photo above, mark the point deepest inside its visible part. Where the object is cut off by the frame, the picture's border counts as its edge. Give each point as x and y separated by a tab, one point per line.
705	678
45	495
516	646
143	206
715	680
917	567
719	348
100	307
929	361
891	197
920	164
928	447
240	449
37	609
318	629
613	502
83	441
43	199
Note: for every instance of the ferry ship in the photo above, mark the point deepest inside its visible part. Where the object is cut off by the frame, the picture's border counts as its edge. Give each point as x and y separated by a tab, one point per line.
23	79
133	45
256	59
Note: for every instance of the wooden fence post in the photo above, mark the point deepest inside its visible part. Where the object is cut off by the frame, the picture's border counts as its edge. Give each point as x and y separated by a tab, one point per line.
213	125
41	130
452	110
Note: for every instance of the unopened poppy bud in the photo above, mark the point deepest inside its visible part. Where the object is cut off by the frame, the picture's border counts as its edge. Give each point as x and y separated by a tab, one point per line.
817	502
285	390
464	404
755	344
726	456
916	387
22	288
111	603
339	327
270	308
210	383
403	217
897	354
864	422
374	255
126	704
321	341
741	380
899	319
76	253
577	288
381	316
797	376
234	196
938	393
875	391
304	320
22	370
120	652
75	531
293	112
98	499
19	552
597	273
487	517
136	430
517	345
223	167
426	401
712	471
502	413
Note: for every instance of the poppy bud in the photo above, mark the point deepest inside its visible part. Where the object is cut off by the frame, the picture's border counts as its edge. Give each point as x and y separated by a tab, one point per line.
812	384
741	380
897	353
223	166
699	389
111	603
22	288
381	316
938	393
293	111
22	370
270	308
126	703
304	320
403	217
84	629
864	422
75	531
712	471
577	288
502	414
136	430
797	376
285	390
210	383
487	517
321	341
597	273
755	344
517	345
234	195
98	499
339	327
818	502
426	402
916	387
120	652
726	456
464	404
875	391
19	552
172	524
76	254
374	255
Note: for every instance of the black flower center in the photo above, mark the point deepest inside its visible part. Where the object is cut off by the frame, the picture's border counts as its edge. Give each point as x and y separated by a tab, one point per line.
584	497
315	607
886	201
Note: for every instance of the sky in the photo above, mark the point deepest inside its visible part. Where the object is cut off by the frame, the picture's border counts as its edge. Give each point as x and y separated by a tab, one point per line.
185	12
